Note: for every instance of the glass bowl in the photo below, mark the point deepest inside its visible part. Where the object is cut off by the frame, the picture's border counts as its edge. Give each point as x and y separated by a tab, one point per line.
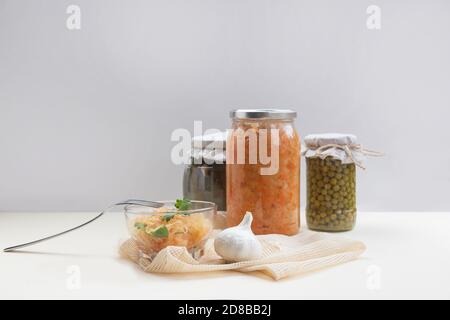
155	229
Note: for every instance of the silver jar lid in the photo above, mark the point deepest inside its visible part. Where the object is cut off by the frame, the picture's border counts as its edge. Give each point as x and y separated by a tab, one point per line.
279	114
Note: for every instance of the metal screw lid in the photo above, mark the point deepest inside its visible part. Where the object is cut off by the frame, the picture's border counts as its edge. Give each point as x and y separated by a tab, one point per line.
279	114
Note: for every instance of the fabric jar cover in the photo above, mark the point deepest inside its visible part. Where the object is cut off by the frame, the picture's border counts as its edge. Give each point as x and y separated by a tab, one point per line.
210	148
339	146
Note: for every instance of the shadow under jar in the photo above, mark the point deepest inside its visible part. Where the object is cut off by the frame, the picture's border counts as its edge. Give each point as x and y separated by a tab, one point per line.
272	196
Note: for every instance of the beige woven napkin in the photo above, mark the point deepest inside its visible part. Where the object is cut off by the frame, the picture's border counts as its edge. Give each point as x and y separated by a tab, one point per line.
283	256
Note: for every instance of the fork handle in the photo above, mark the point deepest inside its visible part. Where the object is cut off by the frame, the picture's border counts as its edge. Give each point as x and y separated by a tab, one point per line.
144	203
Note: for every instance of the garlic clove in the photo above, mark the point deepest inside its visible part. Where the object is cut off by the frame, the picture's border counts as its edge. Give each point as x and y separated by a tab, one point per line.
238	243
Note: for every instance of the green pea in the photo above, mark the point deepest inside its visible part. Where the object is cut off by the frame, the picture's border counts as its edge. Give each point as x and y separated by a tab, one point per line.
331	194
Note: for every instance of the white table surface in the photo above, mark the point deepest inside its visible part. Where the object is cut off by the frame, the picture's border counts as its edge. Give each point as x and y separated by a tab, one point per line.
408	256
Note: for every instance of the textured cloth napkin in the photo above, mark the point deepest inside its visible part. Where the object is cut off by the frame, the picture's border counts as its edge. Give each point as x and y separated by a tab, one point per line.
283	256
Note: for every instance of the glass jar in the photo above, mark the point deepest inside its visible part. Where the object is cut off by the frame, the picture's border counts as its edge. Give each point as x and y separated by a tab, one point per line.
331	195
331	181
204	178
269	188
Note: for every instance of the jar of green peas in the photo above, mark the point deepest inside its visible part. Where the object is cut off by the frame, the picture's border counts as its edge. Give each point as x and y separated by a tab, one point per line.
331	161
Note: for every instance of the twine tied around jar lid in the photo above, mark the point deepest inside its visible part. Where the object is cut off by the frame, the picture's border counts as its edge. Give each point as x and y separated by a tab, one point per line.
343	147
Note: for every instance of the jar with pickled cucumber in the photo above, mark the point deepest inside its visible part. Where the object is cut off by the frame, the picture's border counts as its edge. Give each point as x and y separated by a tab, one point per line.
331	161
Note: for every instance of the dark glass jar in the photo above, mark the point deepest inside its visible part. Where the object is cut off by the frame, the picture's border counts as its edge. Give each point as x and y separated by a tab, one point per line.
205	177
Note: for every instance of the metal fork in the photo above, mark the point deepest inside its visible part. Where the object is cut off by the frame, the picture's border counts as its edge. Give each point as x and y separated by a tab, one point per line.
143	203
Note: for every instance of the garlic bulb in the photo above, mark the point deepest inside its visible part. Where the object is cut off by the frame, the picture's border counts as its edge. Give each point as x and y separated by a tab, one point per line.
238	243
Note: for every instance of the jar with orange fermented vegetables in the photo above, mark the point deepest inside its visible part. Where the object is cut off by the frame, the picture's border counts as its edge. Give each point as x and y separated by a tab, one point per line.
263	170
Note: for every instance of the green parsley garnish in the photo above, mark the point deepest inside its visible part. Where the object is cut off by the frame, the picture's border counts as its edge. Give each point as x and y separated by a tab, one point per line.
183	204
160	232
167	217
140	226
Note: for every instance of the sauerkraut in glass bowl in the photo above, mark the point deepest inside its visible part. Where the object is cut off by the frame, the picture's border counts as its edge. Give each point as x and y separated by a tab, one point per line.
181	223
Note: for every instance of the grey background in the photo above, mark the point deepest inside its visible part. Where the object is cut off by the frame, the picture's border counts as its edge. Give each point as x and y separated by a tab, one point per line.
86	116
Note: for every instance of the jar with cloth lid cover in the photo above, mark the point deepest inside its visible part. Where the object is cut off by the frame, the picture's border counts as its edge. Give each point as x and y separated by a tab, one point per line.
205	177
331	180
